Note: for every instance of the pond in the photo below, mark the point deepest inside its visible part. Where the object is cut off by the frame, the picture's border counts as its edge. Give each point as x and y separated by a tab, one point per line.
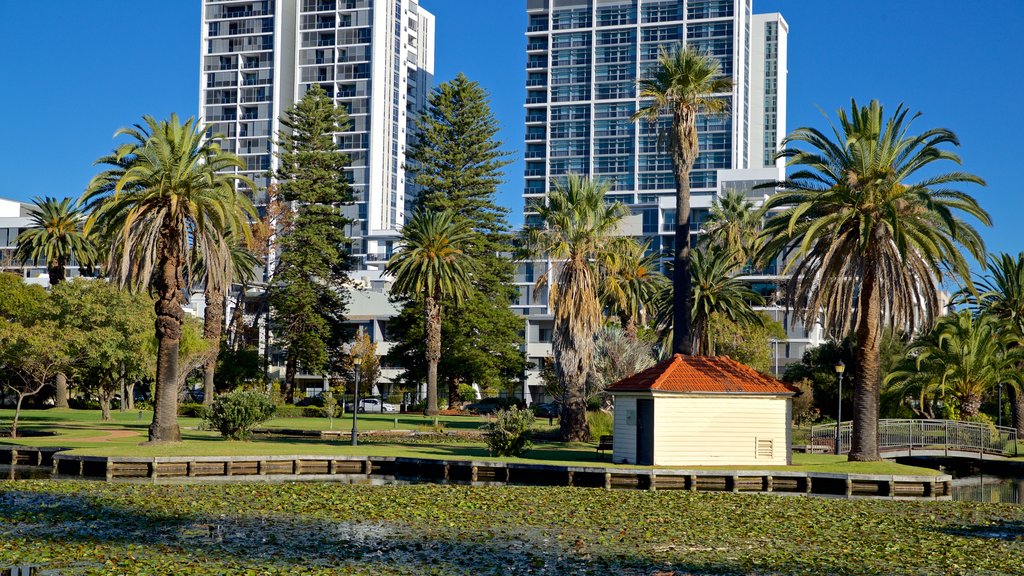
991	489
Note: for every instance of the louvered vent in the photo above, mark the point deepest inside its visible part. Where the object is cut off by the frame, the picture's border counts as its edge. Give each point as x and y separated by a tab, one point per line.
765	449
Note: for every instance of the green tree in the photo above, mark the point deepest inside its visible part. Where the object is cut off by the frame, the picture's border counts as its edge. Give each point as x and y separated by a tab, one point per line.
166	195
1001	293
734	226
870	243
963	359
234	263
434	265
457	163
716	293
630	284
576	231
30	357
307	293
748	342
683	85
56	237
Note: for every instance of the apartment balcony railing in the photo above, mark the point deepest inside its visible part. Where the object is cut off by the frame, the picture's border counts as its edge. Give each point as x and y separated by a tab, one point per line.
537	28
537	46
529	173
536	99
537	82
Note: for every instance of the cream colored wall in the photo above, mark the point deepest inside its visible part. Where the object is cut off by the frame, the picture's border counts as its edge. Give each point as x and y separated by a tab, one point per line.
625	430
709	430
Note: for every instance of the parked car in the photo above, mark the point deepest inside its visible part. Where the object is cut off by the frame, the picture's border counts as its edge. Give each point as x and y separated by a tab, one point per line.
492	405
547	410
375	405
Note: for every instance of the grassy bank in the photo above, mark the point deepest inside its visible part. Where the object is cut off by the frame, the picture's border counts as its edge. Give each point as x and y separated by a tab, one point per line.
84	433
98	528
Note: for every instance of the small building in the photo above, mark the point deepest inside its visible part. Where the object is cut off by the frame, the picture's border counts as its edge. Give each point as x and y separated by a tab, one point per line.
702	411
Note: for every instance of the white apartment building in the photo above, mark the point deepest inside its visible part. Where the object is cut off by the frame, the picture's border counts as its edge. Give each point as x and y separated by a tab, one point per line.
14	219
583	58
374	57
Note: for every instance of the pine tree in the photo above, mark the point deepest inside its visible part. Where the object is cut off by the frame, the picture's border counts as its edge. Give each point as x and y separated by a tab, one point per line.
457	162
307	293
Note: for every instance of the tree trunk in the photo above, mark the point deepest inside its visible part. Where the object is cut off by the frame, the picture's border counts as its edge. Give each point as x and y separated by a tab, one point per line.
17	416
129	392
864	444
970	406
573	361
213	322
1016	410
124	392
55	270
433	329
169	316
105	404
629	328
290	367
684	145
453	393
60	397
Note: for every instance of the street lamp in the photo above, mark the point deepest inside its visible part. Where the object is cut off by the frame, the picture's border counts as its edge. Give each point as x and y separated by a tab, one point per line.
840	368
1000	405
356	361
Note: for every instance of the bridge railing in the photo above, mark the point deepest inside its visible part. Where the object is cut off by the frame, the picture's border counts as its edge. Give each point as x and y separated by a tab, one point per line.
925	434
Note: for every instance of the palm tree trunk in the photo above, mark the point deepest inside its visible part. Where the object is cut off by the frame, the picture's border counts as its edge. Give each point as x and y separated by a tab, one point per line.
433	329
572	422
629	328
864	445
213	322
169	316
970	405
55	270
683	158
60	397
1016	409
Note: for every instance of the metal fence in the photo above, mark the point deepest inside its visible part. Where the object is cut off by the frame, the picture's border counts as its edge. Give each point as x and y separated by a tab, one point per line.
924	434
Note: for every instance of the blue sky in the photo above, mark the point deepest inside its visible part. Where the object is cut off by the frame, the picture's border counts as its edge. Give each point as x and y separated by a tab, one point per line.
72	76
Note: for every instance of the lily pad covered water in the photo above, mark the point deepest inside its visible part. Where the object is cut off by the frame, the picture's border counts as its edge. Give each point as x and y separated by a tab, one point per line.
308	528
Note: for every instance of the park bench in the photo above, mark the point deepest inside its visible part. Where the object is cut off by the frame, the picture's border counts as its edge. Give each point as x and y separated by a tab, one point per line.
605	444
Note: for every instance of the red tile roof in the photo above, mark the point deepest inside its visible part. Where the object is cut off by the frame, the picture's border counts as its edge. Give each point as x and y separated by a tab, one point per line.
702	374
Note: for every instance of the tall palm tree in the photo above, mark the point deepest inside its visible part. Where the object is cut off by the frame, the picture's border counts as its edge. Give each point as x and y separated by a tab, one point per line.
715	293
734	225
56	237
165	197
630	283
234	263
685	84
434	264
869	244
576	231
965	357
1001	293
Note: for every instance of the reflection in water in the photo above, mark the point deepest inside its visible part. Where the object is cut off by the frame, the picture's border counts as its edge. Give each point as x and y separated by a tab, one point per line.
992	489
8	472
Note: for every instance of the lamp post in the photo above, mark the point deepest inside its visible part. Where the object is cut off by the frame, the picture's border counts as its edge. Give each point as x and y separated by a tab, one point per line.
840	368
356	361
999	408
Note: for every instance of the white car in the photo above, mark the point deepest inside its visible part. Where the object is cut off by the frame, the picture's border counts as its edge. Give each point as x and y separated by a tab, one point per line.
375	405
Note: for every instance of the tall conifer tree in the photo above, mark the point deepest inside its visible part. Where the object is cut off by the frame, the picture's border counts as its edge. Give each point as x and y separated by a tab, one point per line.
457	162
307	292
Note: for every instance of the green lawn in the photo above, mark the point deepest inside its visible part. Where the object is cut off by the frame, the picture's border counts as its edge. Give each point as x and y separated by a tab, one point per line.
329	528
83	432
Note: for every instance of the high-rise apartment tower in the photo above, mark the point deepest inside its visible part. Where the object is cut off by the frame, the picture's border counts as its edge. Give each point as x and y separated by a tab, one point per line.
583	59
374	57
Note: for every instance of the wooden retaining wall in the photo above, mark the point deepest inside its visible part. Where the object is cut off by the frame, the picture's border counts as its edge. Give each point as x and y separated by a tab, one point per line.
380	469
28	456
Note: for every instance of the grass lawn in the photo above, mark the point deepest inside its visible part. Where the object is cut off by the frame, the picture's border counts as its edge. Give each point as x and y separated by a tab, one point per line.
328	528
82	431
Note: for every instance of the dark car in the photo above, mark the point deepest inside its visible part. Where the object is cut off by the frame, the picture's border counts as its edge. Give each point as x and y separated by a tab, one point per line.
547	410
492	405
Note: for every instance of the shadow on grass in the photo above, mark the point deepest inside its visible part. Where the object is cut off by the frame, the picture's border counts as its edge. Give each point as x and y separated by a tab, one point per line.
1010	531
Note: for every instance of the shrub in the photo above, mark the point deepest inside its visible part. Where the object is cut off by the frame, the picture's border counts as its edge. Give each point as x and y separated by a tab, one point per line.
237	413
509	433
601	423
191	410
466	393
289	411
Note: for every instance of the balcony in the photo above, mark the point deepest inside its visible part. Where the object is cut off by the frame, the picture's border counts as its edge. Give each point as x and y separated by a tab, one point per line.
531	46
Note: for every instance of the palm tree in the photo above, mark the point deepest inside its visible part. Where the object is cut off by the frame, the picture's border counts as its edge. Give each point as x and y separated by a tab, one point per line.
434	264
235	263
1001	293
630	283
56	237
715	293
684	85
165	197
734	225
965	357
577	230
868	244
